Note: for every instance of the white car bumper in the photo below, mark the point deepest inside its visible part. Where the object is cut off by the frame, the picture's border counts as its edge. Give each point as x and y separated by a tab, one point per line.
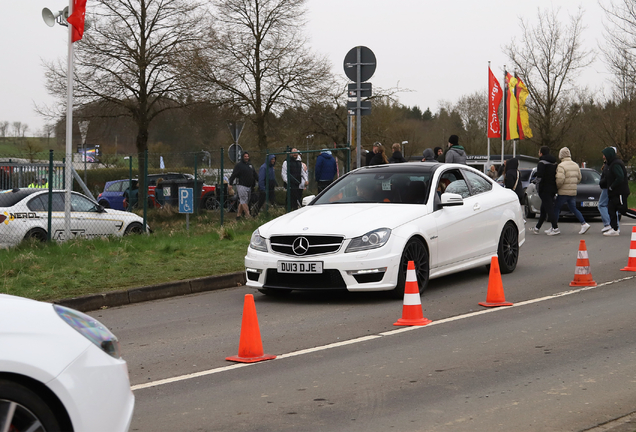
373	270
95	390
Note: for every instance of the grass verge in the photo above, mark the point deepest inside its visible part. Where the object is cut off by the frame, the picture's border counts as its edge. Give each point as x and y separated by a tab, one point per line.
61	270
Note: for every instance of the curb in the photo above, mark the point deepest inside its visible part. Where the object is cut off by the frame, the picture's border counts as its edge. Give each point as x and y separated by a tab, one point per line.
153	292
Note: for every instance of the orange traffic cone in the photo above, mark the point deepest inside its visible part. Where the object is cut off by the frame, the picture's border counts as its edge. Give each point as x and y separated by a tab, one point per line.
412	309
583	271
495	296
631	261
250	345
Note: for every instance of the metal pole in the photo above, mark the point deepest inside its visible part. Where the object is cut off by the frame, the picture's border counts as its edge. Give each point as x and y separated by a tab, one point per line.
195	198
222	195
50	215
145	194
358	110
487	167
69	131
503	121
267	179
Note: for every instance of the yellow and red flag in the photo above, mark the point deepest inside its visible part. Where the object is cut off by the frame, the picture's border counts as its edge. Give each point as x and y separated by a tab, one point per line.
512	109
494	99
523	121
76	19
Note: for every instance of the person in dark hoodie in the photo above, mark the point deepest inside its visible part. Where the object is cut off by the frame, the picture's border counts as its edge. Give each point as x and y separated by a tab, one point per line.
429	156
246	175
617	188
439	154
546	187
326	169
397	156
512	180
455	152
267	181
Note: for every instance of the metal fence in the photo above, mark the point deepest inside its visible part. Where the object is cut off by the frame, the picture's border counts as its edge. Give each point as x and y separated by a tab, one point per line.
33	202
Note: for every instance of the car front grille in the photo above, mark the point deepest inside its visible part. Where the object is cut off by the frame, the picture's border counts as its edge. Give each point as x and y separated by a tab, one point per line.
328	279
306	245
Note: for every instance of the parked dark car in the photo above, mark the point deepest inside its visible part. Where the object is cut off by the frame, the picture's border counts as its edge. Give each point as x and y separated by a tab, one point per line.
588	193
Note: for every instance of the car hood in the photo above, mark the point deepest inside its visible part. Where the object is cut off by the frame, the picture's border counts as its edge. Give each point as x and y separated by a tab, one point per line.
350	220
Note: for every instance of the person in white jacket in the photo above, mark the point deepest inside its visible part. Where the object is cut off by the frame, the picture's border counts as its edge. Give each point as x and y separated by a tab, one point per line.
568	176
296	177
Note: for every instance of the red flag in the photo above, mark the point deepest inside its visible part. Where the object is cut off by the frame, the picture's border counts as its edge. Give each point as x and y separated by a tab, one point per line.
77	19
494	99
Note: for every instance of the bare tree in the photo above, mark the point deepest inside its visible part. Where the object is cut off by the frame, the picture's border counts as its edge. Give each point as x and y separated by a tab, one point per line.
618	113
256	58
4	128
125	62
548	58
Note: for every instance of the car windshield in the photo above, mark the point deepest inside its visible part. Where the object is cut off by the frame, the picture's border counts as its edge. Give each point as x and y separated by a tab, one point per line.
380	188
590	177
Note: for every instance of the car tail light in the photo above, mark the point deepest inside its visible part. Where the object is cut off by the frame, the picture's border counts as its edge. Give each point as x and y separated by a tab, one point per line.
99	196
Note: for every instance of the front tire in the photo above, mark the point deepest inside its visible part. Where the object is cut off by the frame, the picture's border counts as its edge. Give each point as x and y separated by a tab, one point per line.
29	410
415	251
508	248
210	202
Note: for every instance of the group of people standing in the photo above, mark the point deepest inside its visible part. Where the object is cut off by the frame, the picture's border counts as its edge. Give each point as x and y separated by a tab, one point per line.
557	184
294	174
454	154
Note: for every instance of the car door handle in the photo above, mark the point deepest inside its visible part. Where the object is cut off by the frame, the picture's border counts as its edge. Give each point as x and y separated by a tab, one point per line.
476	207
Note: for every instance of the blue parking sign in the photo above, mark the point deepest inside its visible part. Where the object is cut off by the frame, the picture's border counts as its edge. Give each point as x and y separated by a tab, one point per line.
186	201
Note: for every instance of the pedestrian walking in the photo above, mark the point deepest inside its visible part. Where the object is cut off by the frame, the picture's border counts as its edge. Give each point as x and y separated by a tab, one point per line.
603	200
397	156
512	179
568	176
547	189
295	176
617	189
326	169
247	178
455	152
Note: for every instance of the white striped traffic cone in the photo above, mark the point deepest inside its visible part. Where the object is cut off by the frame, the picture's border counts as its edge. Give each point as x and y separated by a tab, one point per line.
631	261
583	271
412	310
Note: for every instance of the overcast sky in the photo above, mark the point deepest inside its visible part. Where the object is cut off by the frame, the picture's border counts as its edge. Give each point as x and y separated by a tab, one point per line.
437	49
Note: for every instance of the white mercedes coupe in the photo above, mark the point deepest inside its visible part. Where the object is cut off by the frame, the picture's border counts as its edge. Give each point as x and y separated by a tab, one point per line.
360	232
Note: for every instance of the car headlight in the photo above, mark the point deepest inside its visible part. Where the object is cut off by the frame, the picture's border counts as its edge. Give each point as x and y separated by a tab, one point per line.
257	242
91	329
371	240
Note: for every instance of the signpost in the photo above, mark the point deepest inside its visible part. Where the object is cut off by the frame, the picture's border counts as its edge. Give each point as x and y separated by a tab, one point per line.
235	151
186	203
359	66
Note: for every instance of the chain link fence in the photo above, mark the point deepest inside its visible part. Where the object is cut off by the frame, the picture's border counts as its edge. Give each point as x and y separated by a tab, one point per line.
107	198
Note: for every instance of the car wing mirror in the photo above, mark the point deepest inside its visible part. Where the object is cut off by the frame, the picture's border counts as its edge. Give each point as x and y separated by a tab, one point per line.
308	199
451	199
99	208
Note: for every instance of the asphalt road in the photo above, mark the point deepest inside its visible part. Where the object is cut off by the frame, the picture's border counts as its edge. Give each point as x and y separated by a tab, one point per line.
561	359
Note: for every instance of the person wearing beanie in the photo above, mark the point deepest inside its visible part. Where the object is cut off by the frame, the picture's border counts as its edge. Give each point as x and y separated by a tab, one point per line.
370	154
568	175
397	156
617	188
429	156
439	154
546	187
603	200
455	152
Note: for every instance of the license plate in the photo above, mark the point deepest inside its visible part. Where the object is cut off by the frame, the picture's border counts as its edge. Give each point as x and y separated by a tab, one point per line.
311	267
589	204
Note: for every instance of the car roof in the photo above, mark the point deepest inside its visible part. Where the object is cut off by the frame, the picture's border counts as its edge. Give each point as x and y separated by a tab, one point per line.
11	197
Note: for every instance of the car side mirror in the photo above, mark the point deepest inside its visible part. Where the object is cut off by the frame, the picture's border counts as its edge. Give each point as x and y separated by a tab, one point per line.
99	208
451	199
308	199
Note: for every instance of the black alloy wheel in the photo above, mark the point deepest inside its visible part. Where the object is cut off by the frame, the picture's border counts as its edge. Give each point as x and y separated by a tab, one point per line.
36	234
22	410
134	228
527	212
415	251
508	249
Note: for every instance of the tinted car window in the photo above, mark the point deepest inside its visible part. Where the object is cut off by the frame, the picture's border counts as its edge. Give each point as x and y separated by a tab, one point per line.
81	204
37	203
114	187
454	183
590	177
478	184
10	198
